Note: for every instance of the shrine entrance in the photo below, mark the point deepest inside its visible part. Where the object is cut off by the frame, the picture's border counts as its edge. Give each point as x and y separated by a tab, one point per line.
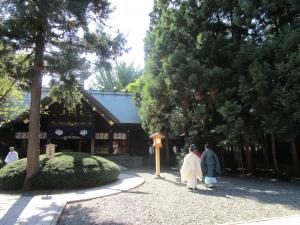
73	145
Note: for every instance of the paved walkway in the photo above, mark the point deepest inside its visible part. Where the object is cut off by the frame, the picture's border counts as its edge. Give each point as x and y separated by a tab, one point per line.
45	209
290	220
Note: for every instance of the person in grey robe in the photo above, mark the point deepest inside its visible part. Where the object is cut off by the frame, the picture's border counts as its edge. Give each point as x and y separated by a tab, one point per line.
210	166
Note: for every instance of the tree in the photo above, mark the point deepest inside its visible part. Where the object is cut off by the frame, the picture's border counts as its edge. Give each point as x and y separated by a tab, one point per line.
118	77
10	87
105	80
169	61
126	74
271	71
56	34
10	99
228	69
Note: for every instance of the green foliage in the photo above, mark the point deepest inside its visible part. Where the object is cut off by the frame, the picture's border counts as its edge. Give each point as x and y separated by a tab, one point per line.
126	74
1	163
224	71
135	86
118	77
105	80
151	111
10	87
70	96
65	38
65	170
12	175
11	99
56	38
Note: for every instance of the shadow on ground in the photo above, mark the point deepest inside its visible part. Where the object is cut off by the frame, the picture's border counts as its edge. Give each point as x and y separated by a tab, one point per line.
13	213
266	191
85	219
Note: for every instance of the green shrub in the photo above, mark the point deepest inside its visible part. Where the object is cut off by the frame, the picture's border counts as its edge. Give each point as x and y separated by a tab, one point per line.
1	163
12	175
65	170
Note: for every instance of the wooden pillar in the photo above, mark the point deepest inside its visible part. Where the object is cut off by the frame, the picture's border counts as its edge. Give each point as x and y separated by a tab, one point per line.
157	143
157	160
111	137
128	142
167	144
80	145
93	146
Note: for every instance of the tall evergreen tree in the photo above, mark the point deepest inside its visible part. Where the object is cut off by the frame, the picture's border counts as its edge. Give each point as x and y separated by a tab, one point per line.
56	34
230	69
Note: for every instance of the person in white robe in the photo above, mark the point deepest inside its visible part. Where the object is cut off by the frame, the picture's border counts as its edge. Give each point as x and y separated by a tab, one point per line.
191	170
11	156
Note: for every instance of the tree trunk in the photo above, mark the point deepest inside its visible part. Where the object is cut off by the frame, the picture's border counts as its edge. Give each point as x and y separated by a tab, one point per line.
241	163
276	167
249	159
167	148
265	152
186	129
33	147
185	107
295	156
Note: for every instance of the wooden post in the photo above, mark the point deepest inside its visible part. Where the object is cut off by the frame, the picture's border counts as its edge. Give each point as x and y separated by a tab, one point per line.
93	146
157	160
128	142
157	143
80	145
111	137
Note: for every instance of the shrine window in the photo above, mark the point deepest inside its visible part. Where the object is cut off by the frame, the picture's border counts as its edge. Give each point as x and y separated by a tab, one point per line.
120	143
101	143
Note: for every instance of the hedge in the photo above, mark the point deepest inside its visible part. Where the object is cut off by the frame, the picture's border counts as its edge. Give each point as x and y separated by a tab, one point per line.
65	170
1	163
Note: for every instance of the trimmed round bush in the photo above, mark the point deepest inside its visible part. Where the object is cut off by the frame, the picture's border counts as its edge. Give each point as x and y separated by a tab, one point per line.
1	163
12	175
65	170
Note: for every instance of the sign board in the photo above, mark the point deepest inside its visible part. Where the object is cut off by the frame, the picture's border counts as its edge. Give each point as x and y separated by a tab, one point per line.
157	141
50	151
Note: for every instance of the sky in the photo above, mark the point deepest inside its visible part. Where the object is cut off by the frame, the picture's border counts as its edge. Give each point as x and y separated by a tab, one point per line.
131	17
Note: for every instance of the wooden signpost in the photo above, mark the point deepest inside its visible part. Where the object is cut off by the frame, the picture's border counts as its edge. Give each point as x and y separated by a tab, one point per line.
50	151
157	142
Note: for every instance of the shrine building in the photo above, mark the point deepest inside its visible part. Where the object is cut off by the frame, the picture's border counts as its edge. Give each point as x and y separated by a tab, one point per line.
106	123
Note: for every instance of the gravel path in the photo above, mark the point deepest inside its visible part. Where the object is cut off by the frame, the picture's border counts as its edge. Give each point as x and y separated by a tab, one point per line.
167	201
